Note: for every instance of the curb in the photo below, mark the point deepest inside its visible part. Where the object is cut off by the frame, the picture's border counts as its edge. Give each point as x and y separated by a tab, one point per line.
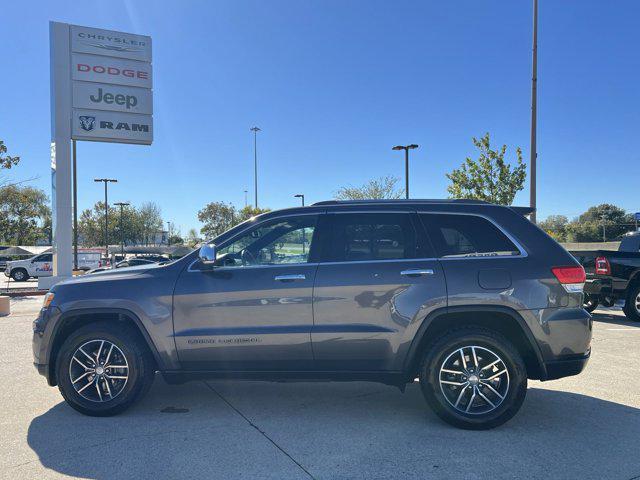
34	293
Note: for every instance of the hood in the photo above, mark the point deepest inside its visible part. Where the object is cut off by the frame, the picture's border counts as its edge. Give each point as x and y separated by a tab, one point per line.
111	274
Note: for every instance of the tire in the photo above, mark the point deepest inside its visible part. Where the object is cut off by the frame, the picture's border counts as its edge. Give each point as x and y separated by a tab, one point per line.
632	303
460	405
107	393
590	303
19	275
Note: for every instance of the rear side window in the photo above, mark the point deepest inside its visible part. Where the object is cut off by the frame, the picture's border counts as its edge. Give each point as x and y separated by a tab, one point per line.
466	236
372	236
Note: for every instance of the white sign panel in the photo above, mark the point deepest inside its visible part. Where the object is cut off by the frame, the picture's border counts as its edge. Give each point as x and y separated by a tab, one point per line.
109	43
103	96
94	68
104	126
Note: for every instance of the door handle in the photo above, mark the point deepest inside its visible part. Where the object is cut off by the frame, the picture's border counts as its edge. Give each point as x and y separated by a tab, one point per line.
290	278
417	272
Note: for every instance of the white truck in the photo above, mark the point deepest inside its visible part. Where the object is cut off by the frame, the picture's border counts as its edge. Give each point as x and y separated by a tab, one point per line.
42	265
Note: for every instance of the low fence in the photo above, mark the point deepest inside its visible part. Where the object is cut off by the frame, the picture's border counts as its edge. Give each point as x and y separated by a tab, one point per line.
590	245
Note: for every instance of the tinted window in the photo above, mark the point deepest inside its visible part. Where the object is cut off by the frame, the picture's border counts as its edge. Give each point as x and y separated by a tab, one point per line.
46	257
275	242
466	235
372	236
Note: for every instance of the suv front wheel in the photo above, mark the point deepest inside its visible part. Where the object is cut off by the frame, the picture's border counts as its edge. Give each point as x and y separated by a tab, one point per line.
473	378
103	368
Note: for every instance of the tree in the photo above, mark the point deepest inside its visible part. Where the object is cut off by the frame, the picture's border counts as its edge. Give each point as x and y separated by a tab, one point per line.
7	161
247	212
218	217
488	178
556	226
150	219
192	238
23	214
380	188
600	222
91	226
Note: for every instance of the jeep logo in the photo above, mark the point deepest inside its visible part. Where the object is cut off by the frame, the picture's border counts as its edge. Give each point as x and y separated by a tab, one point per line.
133	127
109	98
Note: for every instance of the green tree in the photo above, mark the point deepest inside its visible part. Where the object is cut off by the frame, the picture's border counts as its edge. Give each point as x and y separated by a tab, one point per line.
7	161
91	226
380	188
247	212
23	214
488	178
217	217
150	219
556	226
192	238
600	222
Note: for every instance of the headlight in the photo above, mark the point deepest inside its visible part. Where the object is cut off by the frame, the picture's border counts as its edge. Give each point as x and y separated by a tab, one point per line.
48	298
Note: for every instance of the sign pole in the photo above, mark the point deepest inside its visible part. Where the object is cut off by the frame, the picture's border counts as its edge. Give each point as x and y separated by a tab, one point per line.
62	213
75	208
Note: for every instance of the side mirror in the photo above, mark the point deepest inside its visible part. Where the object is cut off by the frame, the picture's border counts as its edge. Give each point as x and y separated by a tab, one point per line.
207	254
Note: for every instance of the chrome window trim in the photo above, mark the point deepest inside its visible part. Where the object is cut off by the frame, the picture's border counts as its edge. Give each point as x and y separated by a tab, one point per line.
190	268
247	267
522	251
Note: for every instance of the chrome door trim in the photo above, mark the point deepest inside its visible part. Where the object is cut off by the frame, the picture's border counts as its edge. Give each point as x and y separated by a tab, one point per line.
417	272
290	278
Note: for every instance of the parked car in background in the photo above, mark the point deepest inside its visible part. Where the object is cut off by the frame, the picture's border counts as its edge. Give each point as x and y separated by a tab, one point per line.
471	298
36	267
613	275
3	263
132	262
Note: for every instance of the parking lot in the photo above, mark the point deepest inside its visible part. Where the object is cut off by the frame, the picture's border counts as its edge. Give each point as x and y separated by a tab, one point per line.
580	427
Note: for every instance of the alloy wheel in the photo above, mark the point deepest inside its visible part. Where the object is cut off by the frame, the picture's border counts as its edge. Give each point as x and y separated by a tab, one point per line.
474	380
637	303
98	370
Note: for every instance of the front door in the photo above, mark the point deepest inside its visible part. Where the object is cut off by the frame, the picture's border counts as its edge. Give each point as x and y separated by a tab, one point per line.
42	265
253	310
378	283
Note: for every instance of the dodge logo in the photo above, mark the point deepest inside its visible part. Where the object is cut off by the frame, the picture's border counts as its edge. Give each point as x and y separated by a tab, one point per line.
87	123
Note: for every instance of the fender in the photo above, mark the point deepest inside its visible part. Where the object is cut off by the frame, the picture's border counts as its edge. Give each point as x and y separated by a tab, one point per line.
414	352
86	311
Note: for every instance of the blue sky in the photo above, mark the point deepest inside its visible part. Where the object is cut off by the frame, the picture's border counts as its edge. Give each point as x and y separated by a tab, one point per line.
334	85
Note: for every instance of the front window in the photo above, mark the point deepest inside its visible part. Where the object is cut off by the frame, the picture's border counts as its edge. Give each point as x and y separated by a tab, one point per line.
276	242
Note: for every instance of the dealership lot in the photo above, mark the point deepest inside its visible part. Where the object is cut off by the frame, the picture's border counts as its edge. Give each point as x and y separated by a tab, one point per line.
580	427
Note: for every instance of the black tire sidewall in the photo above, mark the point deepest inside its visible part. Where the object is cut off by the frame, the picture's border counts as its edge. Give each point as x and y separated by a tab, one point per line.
20	270
441	349
629	309
594	304
139	369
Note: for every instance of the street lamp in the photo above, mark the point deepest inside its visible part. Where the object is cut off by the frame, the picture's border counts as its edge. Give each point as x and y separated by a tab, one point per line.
121	205
255	131
301	196
106	181
245	199
168	233
406	149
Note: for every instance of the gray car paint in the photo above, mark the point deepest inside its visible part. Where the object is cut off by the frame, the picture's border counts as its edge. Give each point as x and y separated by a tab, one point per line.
362	316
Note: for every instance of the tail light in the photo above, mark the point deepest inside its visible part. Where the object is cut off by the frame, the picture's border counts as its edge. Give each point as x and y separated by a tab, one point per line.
602	266
571	278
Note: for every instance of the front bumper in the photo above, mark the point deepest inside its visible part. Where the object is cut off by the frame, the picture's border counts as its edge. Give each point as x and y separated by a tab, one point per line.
41	343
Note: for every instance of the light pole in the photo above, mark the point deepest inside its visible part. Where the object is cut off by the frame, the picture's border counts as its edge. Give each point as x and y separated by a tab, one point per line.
75	208
168	234
255	131
304	233
245	199
406	149
121	205
534	121
300	196
106	181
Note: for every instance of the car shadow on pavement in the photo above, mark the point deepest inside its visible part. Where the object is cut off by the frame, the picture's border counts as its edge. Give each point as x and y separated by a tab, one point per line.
603	317
333	430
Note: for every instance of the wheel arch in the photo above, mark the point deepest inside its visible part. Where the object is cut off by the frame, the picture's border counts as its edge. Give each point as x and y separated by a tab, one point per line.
73	319
495	317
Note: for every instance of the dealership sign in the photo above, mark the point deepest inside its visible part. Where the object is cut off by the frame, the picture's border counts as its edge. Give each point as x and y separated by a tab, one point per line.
101	90
110	78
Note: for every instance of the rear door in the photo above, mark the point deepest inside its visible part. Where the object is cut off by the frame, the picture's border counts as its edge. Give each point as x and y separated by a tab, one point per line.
374	285
42	265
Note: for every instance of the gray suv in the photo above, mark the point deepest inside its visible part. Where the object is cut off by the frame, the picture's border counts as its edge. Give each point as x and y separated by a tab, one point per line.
469	297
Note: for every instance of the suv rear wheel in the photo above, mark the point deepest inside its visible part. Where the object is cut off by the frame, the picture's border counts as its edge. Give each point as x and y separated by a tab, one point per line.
102	369
473	378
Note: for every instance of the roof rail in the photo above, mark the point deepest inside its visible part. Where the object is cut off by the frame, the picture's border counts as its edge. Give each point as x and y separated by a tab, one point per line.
402	200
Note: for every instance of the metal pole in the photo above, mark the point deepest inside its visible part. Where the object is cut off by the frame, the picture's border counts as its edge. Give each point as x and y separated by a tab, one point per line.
121	232
169	234
255	131
75	208
534	101
406	172
245	199
106	221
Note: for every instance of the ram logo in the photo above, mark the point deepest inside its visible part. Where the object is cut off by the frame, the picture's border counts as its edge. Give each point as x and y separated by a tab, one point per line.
87	123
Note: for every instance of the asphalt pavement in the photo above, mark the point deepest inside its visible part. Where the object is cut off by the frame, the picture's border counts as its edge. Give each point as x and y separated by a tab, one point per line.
584	427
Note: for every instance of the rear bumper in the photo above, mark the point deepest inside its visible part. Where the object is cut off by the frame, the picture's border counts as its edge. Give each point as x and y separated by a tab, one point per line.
566	367
598	286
